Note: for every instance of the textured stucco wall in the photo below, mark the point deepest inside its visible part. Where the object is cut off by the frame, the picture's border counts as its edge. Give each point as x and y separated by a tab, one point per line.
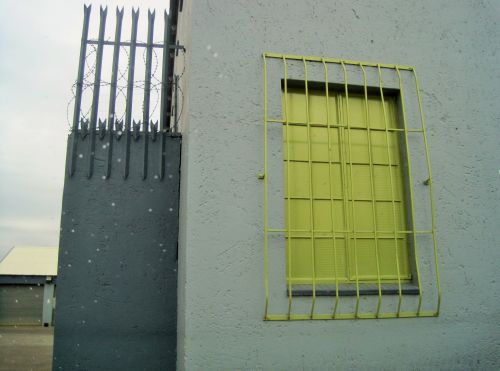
454	45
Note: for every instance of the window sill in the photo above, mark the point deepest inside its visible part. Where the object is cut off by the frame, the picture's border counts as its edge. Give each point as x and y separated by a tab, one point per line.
350	290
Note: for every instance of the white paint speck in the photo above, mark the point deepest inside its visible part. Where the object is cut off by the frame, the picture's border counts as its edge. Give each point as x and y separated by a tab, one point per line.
216	55
80	155
72	231
170	209
209	47
113	204
119	160
89	261
150	210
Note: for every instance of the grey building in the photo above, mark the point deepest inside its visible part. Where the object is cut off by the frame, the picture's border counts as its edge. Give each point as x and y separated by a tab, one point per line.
333	209
27	285
226	320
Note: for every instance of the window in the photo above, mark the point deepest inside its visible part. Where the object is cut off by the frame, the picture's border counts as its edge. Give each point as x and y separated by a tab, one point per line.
348	197
352	184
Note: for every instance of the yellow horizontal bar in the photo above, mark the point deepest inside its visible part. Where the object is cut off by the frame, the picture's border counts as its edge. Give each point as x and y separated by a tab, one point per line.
388	279
282	230
333	60
338	162
335	126
340	199
305	317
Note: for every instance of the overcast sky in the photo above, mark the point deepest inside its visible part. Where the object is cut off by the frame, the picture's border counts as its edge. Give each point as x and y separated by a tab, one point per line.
39	47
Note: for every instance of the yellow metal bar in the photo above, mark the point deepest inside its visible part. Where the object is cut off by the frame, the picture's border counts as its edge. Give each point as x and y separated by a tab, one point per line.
330	183
334	60
288	243
280	230
266	217
320	124
372	188
353	212
410	181
335	162
431	191
400	300
313	262
385	315
343	175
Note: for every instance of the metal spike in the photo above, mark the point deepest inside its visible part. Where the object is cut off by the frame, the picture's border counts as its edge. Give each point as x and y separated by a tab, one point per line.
154	130
102	129
84	128
110	147
96	89
136	130
114	67
119	129
79	88
130	90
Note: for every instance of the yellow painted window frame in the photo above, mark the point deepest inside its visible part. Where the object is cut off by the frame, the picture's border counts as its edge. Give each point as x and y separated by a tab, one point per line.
419	312
352	144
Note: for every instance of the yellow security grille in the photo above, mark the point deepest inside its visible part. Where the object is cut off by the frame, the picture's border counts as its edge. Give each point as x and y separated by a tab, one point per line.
350	234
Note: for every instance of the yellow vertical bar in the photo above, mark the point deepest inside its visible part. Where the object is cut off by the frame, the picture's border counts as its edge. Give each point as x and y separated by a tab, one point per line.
431	192
410	180
372	187
353	213
330	160
392	189
311	201
343	176
266	220
288	194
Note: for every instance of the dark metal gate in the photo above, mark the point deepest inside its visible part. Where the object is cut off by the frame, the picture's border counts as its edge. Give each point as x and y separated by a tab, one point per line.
117	280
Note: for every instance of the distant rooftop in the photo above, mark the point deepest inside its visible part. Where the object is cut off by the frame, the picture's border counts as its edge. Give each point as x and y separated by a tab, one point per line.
30	261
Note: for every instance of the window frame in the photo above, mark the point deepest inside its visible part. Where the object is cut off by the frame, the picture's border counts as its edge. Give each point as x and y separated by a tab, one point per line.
366	286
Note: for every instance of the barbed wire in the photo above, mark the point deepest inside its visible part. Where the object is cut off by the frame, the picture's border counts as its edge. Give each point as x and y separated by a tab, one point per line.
121	86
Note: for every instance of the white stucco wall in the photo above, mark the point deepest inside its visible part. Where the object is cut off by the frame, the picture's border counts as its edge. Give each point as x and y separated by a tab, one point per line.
454	46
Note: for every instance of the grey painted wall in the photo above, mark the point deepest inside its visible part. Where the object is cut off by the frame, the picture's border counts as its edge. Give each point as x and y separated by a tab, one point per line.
117	277
454	46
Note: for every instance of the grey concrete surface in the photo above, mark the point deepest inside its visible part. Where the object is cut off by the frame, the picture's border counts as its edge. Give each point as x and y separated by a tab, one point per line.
26	348
454	46
117	277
